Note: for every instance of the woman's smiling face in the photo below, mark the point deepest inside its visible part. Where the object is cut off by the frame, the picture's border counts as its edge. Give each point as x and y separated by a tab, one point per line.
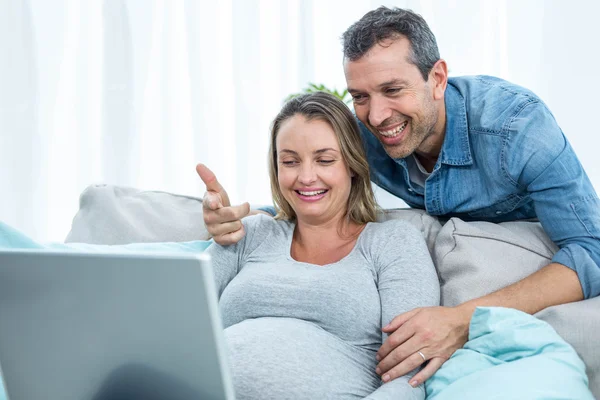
312	173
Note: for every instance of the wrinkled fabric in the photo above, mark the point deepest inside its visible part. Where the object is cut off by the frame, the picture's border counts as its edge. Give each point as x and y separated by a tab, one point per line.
510	355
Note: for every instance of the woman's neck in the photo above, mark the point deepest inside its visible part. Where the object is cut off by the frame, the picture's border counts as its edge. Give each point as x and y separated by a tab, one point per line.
324	243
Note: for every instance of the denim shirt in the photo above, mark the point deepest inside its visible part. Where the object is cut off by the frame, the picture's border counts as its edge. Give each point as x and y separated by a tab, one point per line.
504	158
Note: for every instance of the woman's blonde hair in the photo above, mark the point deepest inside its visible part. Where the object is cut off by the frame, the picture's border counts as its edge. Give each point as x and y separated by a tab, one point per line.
361	207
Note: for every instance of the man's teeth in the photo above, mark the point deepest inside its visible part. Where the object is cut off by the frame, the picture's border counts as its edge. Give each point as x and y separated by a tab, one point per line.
314	193
394	132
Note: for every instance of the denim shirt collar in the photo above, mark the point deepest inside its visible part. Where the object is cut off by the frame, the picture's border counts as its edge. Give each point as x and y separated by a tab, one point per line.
456	149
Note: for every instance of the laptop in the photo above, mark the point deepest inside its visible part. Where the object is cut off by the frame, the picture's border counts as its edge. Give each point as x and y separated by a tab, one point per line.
92	326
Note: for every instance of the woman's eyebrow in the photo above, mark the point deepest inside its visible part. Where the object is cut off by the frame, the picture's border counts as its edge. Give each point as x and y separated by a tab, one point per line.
325	150
319	151
288	151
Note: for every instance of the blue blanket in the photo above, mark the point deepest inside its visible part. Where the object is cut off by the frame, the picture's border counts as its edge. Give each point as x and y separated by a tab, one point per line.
509	355
10	238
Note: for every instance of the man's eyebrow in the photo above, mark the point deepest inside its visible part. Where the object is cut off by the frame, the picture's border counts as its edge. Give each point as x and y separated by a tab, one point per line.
391	82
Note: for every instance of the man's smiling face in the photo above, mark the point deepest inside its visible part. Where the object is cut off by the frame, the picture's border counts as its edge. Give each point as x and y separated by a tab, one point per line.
393	100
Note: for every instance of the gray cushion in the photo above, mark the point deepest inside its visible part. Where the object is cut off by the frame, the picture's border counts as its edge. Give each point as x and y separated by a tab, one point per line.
119	215
477	258
579	324
428	225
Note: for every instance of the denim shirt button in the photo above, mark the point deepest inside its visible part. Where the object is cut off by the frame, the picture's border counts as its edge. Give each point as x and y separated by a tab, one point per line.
498	212
411	190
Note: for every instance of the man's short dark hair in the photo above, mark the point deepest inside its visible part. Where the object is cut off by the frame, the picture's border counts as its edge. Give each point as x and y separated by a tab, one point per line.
385	23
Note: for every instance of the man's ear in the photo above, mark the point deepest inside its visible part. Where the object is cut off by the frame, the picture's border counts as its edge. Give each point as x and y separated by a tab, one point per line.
438	76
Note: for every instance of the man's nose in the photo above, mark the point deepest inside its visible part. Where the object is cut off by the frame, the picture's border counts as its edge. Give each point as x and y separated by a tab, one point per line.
379	111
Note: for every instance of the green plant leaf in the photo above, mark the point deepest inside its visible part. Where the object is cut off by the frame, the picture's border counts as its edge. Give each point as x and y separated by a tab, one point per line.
313	87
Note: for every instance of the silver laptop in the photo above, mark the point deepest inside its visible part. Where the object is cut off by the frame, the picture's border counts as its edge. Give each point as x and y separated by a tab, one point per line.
79	326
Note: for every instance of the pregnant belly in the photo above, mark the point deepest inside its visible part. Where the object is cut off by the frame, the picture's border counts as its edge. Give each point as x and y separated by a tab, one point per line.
284	358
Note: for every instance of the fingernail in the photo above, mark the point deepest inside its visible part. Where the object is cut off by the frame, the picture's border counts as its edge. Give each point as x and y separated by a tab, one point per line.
387	326
378	371
377	357
414	383
386	378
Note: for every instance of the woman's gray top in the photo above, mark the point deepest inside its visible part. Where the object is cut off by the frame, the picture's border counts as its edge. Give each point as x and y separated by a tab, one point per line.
303	331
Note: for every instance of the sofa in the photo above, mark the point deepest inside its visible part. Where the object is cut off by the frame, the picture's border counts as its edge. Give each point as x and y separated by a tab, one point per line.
472	258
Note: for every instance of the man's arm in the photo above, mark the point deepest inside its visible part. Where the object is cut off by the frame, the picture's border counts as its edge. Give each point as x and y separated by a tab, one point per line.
541	162
552	285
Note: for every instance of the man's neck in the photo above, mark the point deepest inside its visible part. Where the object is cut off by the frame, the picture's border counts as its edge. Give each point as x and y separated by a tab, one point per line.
429	151
428	162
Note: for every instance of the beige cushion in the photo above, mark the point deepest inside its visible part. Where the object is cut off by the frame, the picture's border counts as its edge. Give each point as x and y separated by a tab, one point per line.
476	258
120	215
428	225
579	324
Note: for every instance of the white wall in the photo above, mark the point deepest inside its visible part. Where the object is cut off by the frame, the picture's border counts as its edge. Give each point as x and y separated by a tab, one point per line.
549	46
135	92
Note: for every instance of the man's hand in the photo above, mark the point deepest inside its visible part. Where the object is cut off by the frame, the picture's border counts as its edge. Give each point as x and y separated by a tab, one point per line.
430	334
437	332
222	220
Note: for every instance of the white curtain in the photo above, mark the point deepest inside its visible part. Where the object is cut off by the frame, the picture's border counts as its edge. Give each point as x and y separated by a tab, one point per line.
136	92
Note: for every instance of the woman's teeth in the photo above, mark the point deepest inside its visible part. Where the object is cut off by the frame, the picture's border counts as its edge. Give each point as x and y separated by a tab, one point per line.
314	193
394	132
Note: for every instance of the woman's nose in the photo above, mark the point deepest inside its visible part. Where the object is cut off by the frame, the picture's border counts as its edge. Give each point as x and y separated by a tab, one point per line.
307	175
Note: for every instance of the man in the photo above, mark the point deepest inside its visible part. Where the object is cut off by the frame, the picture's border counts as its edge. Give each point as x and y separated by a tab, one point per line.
478	148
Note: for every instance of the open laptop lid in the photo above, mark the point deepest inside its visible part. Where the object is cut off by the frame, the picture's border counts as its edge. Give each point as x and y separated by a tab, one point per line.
70	322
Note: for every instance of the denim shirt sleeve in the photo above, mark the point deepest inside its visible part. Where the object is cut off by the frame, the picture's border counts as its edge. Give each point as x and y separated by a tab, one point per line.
539	160
268	209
